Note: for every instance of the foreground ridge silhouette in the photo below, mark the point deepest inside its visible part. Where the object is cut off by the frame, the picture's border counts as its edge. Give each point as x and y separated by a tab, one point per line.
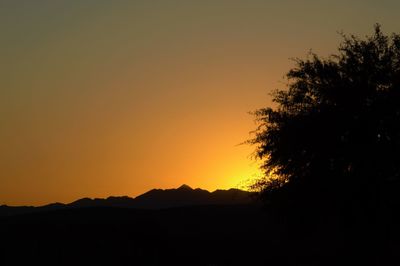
182	226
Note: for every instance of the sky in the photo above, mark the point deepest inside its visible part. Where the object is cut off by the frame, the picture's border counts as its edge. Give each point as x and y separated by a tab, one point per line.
101	98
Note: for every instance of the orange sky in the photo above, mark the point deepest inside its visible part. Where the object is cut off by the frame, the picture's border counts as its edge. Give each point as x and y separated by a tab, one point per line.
101	98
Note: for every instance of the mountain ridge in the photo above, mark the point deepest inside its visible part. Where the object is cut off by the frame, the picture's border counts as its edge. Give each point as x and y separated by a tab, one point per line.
153	199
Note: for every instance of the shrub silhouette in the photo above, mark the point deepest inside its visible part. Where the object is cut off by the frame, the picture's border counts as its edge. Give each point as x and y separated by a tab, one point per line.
332	144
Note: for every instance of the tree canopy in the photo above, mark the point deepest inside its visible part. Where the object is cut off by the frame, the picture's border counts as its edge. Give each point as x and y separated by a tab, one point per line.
335	133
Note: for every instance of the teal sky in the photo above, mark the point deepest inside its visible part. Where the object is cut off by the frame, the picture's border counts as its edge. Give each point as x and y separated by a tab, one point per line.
102	98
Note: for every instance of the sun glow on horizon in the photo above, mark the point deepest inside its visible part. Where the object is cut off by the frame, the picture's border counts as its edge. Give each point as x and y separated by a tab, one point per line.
102	98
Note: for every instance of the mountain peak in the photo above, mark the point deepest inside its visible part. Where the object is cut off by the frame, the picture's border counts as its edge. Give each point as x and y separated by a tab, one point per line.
185	187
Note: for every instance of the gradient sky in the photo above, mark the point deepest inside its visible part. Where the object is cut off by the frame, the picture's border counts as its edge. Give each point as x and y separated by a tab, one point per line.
101	98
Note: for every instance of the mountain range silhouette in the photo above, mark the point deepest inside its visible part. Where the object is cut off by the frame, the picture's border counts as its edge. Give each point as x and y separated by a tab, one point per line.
182	226
153	199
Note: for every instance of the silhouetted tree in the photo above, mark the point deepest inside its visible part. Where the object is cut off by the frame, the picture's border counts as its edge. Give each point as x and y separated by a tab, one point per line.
333	141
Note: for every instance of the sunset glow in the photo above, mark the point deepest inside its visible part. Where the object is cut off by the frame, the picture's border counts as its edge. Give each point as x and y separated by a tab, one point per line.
101	98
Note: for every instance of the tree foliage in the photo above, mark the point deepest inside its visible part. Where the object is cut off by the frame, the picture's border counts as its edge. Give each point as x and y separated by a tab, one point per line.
335	133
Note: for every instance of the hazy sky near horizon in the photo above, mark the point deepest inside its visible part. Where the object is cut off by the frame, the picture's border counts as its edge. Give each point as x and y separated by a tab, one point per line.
101	98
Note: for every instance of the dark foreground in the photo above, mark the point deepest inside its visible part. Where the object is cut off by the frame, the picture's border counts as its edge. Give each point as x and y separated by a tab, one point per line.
201	235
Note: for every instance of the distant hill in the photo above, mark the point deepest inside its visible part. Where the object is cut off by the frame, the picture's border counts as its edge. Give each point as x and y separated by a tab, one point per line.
153	199
186	196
